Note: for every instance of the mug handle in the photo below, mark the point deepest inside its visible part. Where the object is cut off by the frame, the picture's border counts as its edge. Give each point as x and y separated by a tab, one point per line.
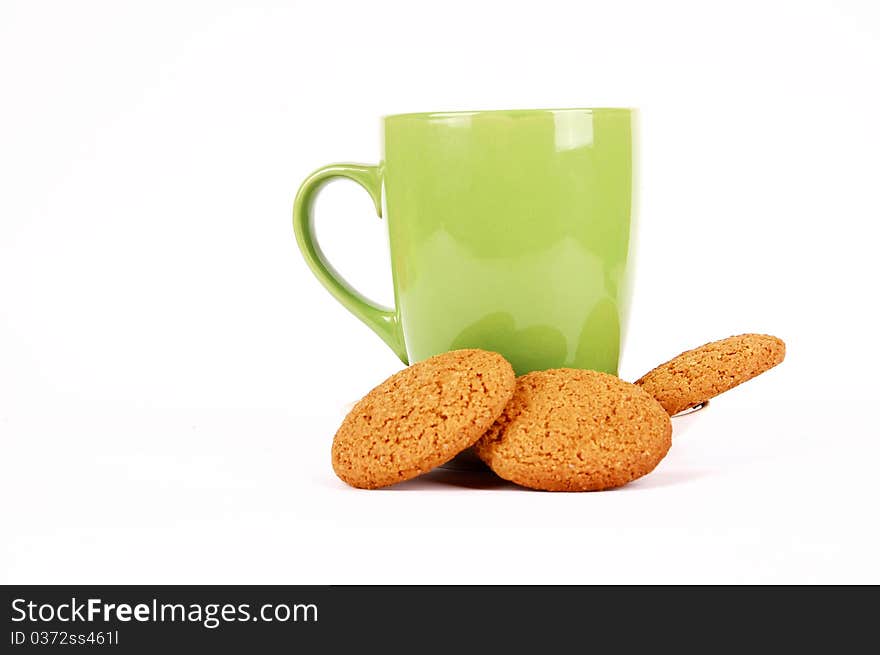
383	321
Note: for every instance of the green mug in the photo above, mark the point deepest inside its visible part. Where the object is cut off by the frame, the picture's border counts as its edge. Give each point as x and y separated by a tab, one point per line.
510	231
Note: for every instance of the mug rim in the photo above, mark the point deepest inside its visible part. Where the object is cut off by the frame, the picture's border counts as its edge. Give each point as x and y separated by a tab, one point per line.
551	110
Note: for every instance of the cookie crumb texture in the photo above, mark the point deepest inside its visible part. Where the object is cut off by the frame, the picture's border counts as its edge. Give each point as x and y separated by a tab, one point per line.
421	417
695	376
576	430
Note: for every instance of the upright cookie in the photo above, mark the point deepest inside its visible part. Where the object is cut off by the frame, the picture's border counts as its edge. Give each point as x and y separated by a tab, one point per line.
576	430
421	417
697	375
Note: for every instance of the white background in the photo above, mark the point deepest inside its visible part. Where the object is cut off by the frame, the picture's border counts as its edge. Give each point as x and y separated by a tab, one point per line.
171	374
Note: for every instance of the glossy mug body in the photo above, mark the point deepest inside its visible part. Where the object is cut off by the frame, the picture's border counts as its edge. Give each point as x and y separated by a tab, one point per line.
511	231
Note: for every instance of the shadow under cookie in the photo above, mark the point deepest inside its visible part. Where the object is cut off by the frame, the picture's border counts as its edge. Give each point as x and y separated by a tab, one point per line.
444	479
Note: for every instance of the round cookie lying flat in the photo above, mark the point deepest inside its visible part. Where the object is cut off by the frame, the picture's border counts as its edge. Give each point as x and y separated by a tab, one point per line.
697	375
576	430
421	417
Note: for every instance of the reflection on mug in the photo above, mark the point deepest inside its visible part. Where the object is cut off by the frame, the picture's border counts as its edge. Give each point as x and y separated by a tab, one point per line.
599	342
533	348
